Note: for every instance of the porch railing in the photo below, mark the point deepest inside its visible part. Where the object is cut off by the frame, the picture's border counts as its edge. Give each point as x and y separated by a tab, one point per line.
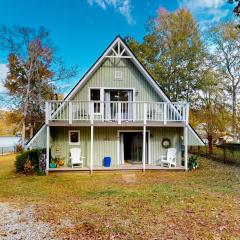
116	111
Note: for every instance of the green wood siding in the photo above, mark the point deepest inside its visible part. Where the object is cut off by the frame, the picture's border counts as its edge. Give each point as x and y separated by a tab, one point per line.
158	134
40	139
132	78
193	140
106	142
60	142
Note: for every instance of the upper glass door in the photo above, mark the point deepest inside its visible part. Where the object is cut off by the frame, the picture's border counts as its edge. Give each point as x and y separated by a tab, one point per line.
112	97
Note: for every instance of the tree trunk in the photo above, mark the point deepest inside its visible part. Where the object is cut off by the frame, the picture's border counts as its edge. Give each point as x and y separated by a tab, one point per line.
31	130
25	113
210	143
23	133
234	128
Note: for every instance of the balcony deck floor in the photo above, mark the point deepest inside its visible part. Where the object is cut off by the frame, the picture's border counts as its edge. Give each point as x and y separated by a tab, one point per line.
59	123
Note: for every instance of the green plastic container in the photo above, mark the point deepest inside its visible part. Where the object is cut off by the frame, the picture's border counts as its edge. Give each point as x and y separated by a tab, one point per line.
53	165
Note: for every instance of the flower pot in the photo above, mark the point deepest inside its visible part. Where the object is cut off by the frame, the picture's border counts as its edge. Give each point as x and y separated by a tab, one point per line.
53	165
61	163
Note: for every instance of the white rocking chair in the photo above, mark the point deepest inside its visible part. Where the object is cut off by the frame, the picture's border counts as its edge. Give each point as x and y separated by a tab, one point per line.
75	157
170	159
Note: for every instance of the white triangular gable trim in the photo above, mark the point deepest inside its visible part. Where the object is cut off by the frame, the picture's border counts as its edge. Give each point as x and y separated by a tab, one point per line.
118	50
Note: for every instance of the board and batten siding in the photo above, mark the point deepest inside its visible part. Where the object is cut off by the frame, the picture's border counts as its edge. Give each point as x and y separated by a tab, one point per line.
158	134
40	140
106	142
104	77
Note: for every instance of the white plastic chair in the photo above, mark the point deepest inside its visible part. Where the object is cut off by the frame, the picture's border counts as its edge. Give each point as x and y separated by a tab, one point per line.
75	157
170	159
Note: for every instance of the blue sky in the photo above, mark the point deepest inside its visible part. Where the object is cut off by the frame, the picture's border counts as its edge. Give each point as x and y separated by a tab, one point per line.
81	29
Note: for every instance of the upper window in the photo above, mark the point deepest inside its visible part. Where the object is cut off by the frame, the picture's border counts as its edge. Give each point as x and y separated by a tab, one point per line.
118	75
96	96
74	137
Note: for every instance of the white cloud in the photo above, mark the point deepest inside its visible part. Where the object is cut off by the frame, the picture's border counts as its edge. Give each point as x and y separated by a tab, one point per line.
203	3
124	7
209	11
3	74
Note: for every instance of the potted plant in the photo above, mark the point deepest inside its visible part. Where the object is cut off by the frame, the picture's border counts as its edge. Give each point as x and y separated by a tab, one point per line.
61	162
193	162
53	163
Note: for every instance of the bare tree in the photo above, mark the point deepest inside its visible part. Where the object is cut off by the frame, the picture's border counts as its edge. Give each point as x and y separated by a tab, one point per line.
33	70
225	40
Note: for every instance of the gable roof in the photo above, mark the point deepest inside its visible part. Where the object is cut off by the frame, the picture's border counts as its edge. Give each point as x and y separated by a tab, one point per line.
122	51
129	54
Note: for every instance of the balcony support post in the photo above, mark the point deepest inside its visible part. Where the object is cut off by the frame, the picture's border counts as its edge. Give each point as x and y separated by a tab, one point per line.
144	148
91	151
186	147
47	149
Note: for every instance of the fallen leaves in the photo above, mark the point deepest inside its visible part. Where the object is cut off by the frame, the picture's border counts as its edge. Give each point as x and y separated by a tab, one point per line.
156	205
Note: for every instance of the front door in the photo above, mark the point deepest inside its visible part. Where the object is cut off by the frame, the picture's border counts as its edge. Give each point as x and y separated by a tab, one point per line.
131	147
112	97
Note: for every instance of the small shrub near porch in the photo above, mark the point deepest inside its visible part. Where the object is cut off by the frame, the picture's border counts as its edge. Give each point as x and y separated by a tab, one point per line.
28	162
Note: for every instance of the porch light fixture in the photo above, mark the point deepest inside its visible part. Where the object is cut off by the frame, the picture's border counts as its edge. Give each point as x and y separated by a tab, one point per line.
136	93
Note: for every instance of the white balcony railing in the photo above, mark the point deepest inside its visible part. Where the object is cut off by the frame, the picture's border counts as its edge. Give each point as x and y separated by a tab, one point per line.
116	111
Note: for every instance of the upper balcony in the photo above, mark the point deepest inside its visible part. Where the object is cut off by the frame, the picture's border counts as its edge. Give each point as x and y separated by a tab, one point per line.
114	113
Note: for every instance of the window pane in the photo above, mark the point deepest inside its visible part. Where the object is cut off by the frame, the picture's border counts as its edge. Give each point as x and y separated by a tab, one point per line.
74	137
97	107
95	94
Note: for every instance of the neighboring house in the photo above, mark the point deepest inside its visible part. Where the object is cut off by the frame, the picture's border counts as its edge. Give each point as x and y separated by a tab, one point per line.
116	110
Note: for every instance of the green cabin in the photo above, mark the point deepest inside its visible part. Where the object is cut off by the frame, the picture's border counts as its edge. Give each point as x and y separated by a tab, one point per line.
116	112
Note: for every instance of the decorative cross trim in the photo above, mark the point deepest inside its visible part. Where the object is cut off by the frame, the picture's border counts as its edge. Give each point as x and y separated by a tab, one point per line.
118	51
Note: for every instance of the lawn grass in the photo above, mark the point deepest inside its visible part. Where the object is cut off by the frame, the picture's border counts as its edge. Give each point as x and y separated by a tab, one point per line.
203	204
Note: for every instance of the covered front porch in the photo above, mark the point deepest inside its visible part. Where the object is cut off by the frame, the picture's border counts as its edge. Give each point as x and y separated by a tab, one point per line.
130	148
117	168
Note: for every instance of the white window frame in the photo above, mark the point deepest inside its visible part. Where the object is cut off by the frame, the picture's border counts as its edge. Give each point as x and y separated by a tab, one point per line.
69	137
101	99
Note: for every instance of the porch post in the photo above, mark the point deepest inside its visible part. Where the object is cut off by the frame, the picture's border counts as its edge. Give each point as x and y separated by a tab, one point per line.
186	148
47	149
144	148
91	150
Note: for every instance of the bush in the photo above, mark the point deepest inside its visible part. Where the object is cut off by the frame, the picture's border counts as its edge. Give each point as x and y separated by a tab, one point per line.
32	156
193	162
28	168
20	161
